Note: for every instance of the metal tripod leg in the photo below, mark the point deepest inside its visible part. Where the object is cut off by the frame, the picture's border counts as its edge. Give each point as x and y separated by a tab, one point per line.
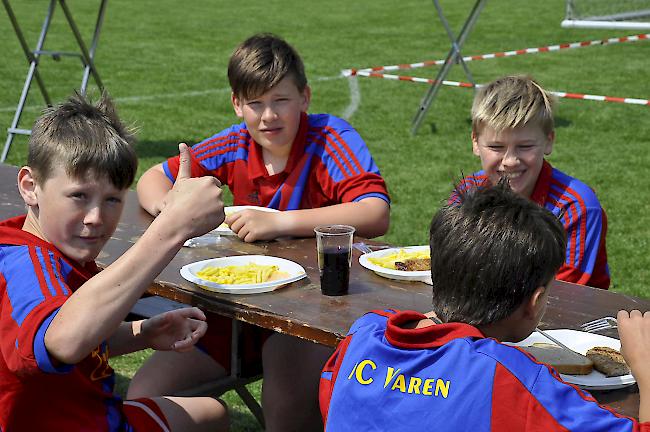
87	58
453	56
31	74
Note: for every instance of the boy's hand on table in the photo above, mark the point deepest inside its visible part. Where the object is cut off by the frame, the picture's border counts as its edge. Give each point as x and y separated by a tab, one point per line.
176	330
634	331
194	205
251	225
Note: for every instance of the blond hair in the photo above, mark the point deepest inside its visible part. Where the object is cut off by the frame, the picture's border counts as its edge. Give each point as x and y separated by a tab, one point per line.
510	102
262	61
84	139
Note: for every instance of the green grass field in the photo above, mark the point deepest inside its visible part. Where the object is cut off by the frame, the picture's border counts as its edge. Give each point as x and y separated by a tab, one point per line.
165	64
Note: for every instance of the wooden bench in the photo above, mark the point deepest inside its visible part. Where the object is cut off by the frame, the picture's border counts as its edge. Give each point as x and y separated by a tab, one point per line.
149	306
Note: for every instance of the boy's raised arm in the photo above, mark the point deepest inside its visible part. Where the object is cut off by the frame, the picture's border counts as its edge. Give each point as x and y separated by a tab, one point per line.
96	310
634	331
152	189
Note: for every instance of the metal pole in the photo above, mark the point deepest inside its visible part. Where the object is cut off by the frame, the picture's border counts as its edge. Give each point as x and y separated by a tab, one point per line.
454	53
13	129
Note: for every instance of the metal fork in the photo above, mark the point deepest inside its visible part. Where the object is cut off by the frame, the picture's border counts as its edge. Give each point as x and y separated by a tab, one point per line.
364	248
599	324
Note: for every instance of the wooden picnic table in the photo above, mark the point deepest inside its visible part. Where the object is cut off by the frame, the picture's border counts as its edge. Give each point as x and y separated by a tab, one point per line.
301	310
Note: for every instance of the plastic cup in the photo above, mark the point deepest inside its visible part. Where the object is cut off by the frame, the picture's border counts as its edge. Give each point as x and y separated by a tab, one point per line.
334	245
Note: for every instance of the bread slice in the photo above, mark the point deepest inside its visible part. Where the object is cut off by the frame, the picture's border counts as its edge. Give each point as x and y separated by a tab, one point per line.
608	361
414	264
564	361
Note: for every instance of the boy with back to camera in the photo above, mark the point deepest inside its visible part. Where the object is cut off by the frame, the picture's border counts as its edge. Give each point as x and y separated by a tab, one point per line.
60	318
493	258
315	169
512	132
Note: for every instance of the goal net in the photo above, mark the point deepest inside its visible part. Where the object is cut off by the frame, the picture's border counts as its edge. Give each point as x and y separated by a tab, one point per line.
608	14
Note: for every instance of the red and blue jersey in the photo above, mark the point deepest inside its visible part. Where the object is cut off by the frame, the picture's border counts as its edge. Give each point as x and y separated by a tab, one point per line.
448	377
583	218
329	164
37	393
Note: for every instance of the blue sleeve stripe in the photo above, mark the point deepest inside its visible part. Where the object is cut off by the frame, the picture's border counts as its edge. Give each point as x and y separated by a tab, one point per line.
22	285
220	142
57	268
227	148
326	375
46	274
41	354
168	173
372	195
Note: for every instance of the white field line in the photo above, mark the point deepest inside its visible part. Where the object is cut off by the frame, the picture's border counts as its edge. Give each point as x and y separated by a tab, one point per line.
147	98
355	98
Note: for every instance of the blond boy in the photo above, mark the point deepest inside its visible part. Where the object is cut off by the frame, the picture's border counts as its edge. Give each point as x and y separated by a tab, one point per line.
512	133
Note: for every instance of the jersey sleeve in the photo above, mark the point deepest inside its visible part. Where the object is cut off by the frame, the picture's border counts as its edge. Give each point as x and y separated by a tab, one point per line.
34	291
349	172
586	254
213	156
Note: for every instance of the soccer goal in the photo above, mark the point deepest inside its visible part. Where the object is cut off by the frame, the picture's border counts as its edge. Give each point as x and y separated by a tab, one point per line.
608	14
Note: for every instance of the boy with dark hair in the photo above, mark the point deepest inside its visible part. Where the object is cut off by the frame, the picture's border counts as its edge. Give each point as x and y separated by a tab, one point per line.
60	318
493	257
314	168
512	132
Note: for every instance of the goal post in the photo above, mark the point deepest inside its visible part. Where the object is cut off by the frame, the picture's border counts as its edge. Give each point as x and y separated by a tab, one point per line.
608	14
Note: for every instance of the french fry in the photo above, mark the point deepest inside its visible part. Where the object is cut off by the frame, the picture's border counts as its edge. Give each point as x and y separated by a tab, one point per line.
238	275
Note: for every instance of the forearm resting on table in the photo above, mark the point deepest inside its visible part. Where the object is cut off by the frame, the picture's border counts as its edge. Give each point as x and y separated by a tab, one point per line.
152	189
95	311
369	216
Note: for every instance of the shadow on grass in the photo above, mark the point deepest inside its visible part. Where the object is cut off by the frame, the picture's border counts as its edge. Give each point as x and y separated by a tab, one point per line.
159	149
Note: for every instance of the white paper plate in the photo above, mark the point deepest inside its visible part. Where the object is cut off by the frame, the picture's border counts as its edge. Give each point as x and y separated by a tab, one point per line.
224	229
421	276
295	271
581	342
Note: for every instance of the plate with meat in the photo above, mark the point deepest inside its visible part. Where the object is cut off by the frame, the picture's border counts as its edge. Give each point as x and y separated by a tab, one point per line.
598	365
410	263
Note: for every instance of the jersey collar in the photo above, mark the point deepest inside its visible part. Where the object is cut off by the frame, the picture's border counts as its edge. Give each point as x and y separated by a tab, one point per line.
432	336
543	184
12	233
256	166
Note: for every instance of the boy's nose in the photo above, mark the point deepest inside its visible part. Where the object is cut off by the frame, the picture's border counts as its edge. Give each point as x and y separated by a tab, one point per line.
510	158
268	114
93	216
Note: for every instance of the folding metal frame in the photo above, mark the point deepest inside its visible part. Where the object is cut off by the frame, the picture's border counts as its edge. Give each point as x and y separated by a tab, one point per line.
454	56
86	55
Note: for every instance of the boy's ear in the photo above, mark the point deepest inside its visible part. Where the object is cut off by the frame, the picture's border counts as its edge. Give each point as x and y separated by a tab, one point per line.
475	148
236	104
536	303
550	139
27	186
306	99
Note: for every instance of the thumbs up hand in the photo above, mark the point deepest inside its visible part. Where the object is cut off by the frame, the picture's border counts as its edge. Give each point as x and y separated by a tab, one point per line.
193	205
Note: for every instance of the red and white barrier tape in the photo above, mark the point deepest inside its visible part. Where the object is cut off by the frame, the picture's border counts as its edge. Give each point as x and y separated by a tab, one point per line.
567	95
548	48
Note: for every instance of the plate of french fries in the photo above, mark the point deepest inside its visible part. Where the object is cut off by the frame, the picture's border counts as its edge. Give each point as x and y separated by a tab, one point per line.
409	263
245	274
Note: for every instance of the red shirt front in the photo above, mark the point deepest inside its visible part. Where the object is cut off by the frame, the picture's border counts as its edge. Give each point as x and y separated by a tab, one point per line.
328	164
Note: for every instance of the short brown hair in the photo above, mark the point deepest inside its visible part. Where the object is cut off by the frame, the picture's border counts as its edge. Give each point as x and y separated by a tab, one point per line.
262	61
83	139
490	252
510	102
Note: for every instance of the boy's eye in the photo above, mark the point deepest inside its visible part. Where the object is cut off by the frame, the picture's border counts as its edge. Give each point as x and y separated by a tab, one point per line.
114	200
78	195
